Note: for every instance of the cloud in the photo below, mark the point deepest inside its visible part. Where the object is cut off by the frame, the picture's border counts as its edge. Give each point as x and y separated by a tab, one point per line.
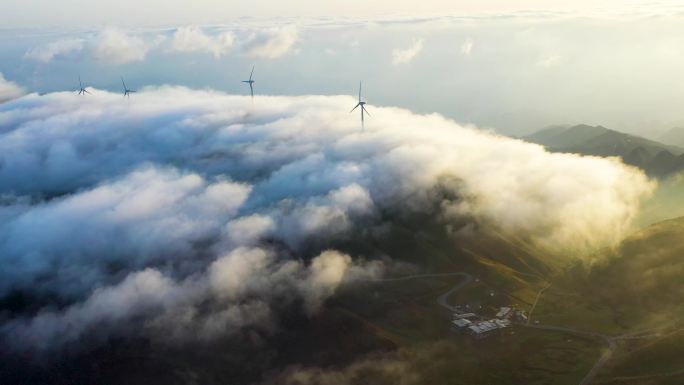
467	47
114	46
150	214
379	369
402	56
61	146
193	214
193	39
271	43
59	48
111	45
238	289
9	90
398	367
549	61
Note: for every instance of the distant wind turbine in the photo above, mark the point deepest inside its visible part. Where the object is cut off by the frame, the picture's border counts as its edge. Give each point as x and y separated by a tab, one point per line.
251	83
81	89
362	105
127	93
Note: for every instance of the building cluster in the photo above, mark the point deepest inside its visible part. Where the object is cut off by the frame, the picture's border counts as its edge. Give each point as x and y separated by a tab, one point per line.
479	327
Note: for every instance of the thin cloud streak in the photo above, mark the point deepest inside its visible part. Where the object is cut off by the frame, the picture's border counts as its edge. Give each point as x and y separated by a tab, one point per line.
406	55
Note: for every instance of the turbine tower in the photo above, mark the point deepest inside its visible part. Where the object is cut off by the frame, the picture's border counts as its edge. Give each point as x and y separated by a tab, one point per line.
126	92
250	82
362	105
81	89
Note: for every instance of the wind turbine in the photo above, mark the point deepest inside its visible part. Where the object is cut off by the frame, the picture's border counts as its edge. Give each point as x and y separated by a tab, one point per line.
81	90
362	105
127	93
250	82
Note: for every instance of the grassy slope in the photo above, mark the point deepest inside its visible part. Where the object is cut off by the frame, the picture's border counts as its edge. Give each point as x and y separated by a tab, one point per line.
407	314
638	286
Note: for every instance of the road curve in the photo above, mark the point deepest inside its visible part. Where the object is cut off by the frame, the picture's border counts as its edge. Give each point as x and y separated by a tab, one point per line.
534	305
443	299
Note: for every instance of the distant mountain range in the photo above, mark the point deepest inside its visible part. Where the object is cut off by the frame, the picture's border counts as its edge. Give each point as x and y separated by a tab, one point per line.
655	158
674	136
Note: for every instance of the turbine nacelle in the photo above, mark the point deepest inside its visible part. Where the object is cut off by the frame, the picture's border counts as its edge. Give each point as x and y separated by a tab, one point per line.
126	92
250	82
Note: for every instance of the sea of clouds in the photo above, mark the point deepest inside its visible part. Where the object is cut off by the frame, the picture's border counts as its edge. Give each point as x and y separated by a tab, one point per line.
191	214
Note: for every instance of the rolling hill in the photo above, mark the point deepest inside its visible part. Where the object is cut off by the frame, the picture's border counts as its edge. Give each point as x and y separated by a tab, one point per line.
655	158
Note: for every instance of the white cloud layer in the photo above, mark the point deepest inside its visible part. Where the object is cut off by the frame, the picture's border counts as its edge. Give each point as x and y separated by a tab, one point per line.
241	287
271	43
114	46
64	47
188	209
110	46
9	90
402	56
193	39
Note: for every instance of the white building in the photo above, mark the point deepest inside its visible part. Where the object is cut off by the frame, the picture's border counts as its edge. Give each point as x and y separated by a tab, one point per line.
464	315
502	323
505	312
461	323
485	328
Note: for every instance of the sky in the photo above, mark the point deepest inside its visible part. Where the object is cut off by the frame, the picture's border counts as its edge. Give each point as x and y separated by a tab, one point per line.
30	13
513	67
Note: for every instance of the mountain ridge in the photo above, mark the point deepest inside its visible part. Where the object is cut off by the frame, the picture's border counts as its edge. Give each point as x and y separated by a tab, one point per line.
655	158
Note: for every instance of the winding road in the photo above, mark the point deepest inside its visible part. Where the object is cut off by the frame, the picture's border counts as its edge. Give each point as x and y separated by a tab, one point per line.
443	299
416	276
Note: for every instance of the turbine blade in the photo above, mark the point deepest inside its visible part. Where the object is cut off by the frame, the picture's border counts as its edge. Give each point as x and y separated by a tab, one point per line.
251	73
86	91
359	92
364	108
124	83
352	110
